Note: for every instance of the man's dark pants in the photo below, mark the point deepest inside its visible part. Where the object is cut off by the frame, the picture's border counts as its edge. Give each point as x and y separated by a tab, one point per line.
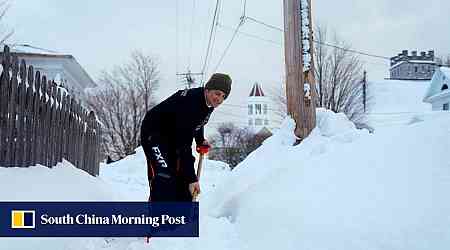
164	171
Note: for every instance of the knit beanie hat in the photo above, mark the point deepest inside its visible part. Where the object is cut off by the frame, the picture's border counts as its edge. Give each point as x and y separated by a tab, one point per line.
221	82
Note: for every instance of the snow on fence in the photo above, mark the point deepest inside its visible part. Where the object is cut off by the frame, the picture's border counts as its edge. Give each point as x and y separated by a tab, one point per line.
41	124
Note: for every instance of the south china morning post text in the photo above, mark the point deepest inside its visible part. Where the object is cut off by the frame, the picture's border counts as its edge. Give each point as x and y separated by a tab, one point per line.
85	219
99	219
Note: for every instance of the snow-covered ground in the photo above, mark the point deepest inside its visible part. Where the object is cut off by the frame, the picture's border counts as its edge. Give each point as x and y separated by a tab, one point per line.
396	102
341	188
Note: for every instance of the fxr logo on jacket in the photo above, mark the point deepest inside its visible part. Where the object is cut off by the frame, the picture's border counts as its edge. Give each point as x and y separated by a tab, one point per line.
159	157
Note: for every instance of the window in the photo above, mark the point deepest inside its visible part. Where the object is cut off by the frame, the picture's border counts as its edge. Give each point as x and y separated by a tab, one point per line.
250	109
258	109
415	69
266	122
445	106
250	122
444	87
258	122
265	109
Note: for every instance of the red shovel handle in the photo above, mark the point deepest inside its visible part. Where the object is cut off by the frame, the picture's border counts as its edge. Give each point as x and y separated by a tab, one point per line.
202	149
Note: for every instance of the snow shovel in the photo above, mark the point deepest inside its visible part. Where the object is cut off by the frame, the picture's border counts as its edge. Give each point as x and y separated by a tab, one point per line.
202	150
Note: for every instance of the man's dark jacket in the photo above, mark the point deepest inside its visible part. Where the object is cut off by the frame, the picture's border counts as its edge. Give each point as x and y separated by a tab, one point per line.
175	122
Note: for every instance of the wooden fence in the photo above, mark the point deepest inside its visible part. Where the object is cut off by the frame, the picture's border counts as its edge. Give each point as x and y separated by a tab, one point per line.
41	124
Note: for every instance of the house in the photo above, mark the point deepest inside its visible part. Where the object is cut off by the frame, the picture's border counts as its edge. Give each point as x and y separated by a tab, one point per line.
438	93
63	68
412	67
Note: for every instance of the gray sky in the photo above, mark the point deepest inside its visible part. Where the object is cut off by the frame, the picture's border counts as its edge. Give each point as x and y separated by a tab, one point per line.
102	33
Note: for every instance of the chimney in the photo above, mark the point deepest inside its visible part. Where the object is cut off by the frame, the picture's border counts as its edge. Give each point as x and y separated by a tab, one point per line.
414	53
431	54
423	54
405	52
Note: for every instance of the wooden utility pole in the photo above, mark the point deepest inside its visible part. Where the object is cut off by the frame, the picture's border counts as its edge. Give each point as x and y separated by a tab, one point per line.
300	82
190	81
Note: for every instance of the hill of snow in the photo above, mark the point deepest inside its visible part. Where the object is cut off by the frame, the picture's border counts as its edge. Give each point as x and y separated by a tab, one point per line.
341	188
395	102
344	189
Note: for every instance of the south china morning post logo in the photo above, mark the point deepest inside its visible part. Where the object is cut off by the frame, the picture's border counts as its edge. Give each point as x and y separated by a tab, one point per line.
23	219
98	219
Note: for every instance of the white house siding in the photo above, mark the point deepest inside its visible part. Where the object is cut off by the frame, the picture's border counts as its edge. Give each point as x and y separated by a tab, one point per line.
436	95
439	101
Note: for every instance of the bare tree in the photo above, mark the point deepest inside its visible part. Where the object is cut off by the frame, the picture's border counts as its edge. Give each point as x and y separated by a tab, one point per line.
339	75
278	96
232	144
125	95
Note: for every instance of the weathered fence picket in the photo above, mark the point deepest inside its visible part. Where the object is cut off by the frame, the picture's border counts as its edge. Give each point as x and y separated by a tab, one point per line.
40	124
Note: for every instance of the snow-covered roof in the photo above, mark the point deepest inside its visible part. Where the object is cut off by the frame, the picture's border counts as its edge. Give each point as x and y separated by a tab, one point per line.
422	61
256	90
29	49
441	76
413	61
45	59
395	65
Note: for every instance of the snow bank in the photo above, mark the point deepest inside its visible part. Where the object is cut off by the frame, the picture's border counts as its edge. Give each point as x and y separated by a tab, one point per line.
63	182
345	189
129	176
395	102
331	124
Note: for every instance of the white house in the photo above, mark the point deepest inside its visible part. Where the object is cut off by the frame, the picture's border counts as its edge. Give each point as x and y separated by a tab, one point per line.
438	93
258	109
56	66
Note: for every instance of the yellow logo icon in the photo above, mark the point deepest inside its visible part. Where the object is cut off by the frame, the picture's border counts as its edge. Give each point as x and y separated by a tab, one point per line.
22	219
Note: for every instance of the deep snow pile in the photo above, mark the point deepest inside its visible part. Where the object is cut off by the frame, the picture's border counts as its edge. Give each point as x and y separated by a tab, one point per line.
343	188
129	176
395	102
63	182
121	181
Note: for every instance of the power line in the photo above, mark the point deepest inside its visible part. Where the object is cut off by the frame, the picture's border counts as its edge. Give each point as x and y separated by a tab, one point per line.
211	31
241	22
351	50
265	24
176	38
192	31
322	43
251	35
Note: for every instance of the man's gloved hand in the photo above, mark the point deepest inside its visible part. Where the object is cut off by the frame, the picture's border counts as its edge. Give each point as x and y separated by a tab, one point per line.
203	148
194	189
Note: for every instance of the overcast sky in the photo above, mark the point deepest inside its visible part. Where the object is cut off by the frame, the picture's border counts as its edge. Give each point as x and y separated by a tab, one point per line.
101	33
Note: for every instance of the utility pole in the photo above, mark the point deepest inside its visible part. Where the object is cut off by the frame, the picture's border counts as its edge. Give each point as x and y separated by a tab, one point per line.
188	77
364	90
300	81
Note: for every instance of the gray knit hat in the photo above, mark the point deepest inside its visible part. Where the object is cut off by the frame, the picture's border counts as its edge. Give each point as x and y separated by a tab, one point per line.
221	82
